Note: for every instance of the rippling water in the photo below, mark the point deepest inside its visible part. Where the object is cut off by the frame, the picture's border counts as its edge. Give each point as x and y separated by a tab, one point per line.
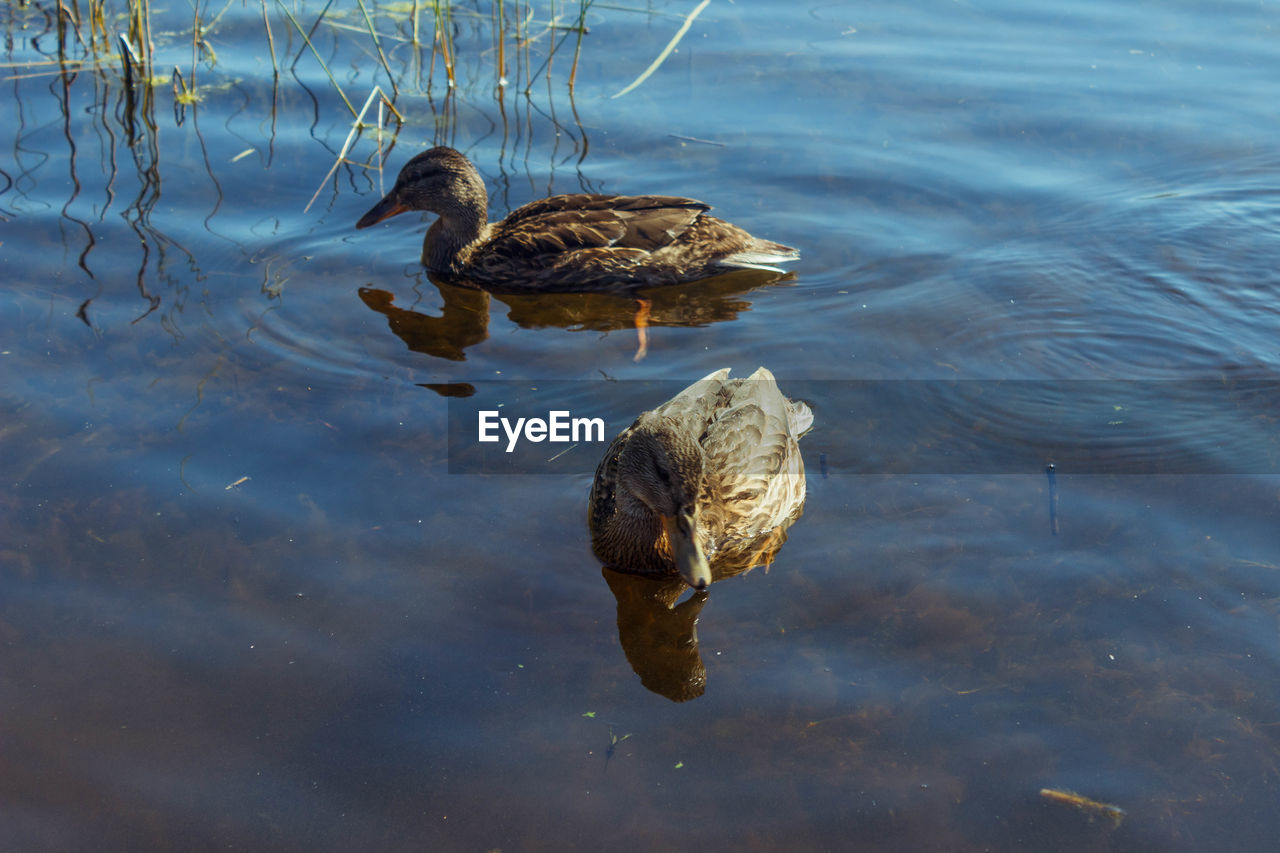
244	603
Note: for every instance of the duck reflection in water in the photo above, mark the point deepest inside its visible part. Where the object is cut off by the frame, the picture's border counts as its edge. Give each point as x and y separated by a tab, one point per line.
583	242
660	636
699	489
464	317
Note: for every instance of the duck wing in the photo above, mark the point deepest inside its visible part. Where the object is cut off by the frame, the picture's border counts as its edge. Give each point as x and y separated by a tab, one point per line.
754	474
694	408
566	223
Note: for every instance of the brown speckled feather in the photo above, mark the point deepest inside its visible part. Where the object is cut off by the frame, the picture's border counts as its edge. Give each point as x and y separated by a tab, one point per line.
544	229
754	475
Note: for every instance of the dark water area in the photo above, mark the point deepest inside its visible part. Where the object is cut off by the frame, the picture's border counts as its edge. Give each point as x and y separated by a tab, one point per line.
257	592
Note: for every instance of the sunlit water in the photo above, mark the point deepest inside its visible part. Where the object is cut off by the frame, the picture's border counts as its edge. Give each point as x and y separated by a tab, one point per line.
244	604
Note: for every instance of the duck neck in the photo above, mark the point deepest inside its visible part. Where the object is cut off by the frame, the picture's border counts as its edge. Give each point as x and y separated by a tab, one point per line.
449	242
634	538
462	225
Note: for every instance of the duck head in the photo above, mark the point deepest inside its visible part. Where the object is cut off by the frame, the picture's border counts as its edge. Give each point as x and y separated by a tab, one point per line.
661	467
440	180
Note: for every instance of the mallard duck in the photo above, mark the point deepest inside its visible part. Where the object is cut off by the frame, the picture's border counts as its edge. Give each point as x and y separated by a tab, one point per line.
714	470
566	242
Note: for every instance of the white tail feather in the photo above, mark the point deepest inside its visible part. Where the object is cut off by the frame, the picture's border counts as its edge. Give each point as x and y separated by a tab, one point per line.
760	260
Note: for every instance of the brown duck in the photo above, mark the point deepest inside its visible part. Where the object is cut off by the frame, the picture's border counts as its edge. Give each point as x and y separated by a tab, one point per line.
566	242
715	472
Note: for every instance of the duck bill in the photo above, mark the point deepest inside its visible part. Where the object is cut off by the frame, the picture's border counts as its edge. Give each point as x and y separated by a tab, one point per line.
384	209
691	562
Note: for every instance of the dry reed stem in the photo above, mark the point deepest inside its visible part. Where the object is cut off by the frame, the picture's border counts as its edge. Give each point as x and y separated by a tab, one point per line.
375	96
577	48
373	34
444	23
307	40
271	42
666	51
89	27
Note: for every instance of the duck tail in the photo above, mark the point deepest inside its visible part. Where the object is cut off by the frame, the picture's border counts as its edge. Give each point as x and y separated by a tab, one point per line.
761	255
799	417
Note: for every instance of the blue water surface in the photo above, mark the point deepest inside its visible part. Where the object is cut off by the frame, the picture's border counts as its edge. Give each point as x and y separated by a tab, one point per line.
244	603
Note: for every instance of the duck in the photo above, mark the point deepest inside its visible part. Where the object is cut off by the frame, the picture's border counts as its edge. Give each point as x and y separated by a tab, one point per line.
714	472
583	241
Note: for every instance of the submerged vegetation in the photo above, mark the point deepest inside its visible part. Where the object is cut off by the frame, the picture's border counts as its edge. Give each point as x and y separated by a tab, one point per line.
519	42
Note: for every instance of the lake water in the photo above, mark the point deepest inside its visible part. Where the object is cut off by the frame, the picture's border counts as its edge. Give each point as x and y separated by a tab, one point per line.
245	604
